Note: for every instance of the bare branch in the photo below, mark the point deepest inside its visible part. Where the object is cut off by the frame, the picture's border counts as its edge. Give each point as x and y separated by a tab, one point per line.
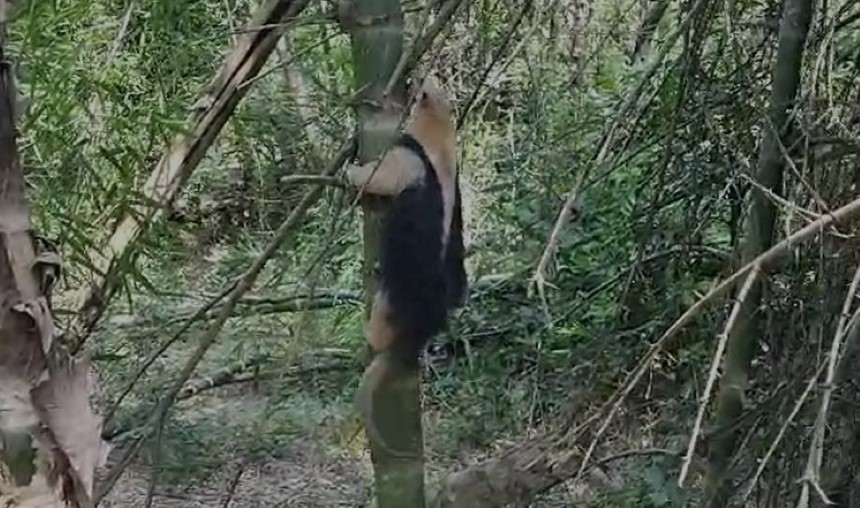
765	262
715	367
816	446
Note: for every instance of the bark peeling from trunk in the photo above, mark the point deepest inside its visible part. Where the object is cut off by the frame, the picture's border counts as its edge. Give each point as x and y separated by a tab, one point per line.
50	444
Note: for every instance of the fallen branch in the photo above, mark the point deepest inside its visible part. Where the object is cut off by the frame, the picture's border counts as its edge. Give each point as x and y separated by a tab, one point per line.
222	377
178	162
340	361
332	181
256	306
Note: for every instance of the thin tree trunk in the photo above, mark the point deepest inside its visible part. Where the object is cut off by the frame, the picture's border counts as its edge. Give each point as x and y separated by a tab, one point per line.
741	346
50	444
577	15
376	30
651	18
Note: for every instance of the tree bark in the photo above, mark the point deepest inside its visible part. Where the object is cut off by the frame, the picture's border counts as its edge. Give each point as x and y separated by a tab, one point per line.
376	30
50	444
741	345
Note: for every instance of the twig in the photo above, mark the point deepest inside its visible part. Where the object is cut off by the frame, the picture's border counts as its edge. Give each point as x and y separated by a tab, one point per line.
793	167
233	483
645	452
778	439
286	231
809	214
816	446
122	30
715	367
764	262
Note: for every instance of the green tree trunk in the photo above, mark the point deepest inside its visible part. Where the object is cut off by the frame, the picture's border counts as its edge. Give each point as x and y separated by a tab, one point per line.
376	29
793	30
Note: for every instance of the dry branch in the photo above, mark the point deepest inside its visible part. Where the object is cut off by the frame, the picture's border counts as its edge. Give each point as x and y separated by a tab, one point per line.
320	299
179	161
335	360
816	447
731	323
798	404
313	179
238	373
540	463
221	377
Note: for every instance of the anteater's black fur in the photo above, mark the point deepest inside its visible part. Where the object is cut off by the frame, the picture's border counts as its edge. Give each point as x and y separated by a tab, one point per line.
418	283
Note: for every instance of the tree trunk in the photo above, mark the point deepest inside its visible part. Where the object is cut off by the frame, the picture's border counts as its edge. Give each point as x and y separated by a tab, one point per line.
651	16
50	444
577	15
741	346
376	30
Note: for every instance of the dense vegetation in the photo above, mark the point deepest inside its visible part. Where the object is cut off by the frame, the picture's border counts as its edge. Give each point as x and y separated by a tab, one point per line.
656	116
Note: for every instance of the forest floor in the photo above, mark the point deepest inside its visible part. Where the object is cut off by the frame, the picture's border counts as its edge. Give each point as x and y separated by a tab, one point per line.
287	441
306	477
223	426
